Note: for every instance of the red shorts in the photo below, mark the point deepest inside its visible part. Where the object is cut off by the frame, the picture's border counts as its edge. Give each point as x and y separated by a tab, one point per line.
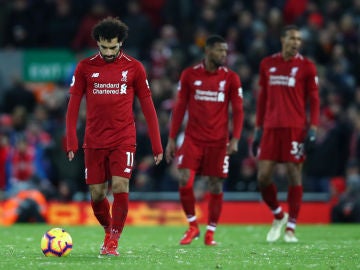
102	164
207	161
283	145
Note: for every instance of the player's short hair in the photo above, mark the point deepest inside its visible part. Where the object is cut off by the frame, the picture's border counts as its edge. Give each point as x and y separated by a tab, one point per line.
289	28
110	28
211	40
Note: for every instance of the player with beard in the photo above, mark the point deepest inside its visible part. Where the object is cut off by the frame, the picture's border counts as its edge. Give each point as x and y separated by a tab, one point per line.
288	87
110	80
206	91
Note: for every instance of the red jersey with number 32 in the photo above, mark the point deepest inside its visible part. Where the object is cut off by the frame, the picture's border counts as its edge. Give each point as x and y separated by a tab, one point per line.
285	89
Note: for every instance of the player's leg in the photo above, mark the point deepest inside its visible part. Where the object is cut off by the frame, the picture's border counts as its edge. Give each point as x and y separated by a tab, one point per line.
215	164
119	211
269	195
294	156
121	161
187	200
214	208
294	199
101	209
187	159
96	179
270	153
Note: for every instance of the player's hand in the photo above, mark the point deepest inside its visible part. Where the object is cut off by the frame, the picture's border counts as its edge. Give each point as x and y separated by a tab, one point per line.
232	147
70	155
158	158
310	141
170	150
256	141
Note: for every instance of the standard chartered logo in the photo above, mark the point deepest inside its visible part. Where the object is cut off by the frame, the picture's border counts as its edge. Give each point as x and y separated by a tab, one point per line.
109	89
208	95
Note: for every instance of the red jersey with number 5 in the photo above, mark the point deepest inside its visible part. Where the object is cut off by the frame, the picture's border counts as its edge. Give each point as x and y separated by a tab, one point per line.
207	97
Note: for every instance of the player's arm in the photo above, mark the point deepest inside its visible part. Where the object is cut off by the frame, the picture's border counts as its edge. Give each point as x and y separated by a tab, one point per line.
78	86
312	89
312	86
71	120
236	99
260	109
148	109
142	90
261	97
177	117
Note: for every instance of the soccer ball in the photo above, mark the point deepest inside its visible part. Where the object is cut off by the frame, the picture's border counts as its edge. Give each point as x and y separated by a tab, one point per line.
56	242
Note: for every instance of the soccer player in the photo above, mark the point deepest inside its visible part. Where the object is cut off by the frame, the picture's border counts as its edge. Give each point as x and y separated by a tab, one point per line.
109	81
206	91
288	88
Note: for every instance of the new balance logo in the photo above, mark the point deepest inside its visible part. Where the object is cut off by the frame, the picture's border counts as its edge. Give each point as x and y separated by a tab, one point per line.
95	75
272	69
127	170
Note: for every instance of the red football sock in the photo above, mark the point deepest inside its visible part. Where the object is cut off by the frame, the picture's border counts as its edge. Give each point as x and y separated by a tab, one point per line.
102	213
214	208
269	195
119	211
294	200
187	199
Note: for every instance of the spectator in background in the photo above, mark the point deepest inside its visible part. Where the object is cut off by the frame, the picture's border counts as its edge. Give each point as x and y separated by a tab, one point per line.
348	207
138	22
60	29
19	25
82	39
18	95
330	155
4	152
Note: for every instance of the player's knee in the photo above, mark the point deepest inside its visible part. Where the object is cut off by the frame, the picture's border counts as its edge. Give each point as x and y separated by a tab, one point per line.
97	195
186	178
120	185
264	179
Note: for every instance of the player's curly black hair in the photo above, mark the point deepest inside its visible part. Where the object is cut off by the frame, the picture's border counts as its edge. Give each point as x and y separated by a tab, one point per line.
110	28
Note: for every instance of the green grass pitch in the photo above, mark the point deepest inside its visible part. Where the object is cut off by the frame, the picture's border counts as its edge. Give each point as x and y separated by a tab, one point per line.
240	247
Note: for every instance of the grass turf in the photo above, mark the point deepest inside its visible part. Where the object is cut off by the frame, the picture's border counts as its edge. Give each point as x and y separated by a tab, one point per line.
239	247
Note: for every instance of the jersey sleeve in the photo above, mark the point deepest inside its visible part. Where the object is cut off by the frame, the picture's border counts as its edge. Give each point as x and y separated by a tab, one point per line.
147	106
78	83
141	84
236	99
142	91
261	96
71	121
312	89
77	88
180	106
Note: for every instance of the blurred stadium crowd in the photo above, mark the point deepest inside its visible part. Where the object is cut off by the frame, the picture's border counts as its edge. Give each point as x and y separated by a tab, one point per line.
167	35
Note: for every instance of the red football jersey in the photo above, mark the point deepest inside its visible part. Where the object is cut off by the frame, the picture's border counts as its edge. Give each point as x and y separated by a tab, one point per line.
286	87
109	89
207	96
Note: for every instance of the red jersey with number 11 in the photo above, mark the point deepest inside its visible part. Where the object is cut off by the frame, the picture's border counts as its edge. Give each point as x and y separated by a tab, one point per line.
109	89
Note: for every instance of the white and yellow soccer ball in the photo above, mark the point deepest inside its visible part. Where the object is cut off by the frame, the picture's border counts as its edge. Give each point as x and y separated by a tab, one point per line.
56	242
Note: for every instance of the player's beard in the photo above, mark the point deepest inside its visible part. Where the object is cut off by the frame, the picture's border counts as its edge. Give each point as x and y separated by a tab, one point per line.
218	62
109	58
